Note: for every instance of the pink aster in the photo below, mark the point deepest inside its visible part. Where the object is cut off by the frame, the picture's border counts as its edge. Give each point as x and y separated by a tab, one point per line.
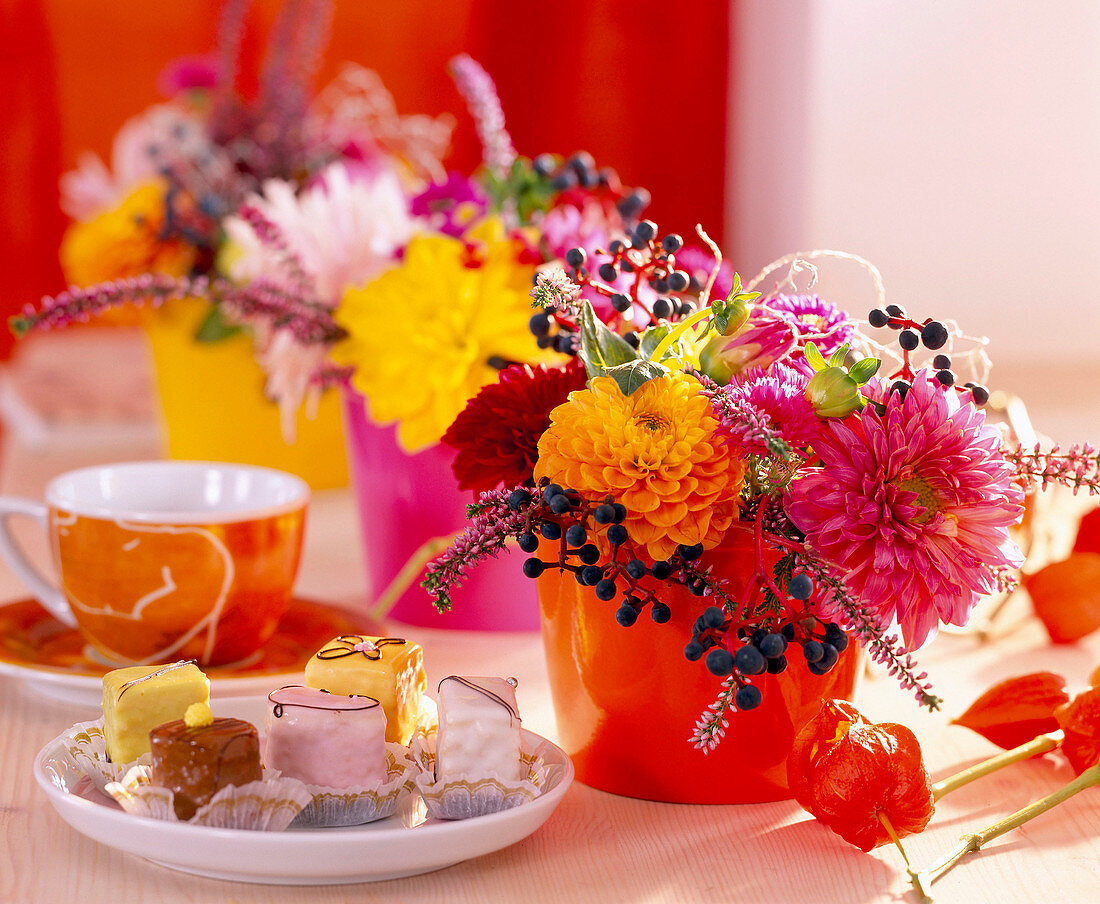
780	393
912	507
814	320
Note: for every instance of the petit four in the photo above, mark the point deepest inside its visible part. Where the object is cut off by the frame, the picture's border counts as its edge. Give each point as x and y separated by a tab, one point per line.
142	697
479	729
389	669
196	756
326	739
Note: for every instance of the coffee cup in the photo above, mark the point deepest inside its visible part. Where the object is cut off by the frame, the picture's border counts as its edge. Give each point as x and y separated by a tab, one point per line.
167	560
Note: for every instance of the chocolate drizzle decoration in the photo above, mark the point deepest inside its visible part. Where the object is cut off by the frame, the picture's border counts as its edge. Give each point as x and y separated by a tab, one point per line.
512	713
277	710
168	668
370	648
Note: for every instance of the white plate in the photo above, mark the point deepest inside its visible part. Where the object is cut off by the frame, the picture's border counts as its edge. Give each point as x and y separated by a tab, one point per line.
405	844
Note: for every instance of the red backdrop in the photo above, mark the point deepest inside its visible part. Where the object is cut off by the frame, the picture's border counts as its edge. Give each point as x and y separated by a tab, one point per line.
642	84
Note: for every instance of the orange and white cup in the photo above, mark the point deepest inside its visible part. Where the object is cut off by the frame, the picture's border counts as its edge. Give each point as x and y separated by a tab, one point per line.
167	560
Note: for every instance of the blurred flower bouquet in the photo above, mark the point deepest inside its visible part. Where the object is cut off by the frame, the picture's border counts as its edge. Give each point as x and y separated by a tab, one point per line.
871	496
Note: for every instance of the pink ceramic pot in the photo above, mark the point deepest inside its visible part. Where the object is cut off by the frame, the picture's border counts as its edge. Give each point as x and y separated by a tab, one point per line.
404	501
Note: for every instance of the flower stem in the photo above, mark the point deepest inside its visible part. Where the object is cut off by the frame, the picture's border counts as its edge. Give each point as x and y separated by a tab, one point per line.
1038	745
913	877
682	327
409	572
974	840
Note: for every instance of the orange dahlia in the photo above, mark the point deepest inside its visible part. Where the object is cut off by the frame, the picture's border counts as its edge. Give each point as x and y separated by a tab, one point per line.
660	451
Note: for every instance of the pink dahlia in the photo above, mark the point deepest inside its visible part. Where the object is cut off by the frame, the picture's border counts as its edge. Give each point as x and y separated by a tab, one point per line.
912	507
780	393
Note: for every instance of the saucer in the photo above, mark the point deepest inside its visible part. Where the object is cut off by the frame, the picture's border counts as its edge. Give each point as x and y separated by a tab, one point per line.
406	844
55	661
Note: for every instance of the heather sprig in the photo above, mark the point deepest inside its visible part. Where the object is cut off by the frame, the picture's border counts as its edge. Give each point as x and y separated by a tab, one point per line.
492	523
480	93
745	420
860	620
555	291
1077	467
712	724
258	301
271	235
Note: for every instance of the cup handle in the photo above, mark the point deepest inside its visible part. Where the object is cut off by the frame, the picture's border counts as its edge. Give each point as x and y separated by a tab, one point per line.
51	598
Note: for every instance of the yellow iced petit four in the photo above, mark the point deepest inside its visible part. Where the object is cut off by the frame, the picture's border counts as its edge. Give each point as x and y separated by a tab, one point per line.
389	669
138	699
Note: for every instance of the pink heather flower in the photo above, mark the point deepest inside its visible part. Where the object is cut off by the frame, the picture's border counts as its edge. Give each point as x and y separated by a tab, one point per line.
814	320
912	507
780	393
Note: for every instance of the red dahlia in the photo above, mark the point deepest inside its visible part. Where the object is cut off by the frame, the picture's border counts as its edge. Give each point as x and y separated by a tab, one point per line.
497	434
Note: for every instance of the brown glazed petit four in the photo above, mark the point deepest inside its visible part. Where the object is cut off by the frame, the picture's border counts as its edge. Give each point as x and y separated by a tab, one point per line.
196	756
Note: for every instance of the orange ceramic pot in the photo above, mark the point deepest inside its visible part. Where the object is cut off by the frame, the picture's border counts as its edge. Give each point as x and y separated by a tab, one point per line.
627	700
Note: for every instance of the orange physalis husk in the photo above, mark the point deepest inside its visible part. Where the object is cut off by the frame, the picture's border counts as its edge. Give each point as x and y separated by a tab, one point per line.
1088	533
1016	710
846	771
1066	596
1080	720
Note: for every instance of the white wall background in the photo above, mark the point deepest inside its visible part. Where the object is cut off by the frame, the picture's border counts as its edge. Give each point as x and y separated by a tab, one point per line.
955	144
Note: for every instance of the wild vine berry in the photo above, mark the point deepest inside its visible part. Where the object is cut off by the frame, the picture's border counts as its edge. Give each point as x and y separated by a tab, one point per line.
836	636
617	535
589	554
533	567
560	504
813	651
576	535
942	362
626	615
591	574
945	378
772	646
801	586
713	617
550	530
672	243
528	542
908	340
620	512
576	257
690	553
605	589
719	661
604	514
661	570
933	334
636	569
777	666
517	499
979	393
747	697
661	613
693	651
878	318
749	661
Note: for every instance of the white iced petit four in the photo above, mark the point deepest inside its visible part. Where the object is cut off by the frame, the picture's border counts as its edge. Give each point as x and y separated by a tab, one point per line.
479	729
326	739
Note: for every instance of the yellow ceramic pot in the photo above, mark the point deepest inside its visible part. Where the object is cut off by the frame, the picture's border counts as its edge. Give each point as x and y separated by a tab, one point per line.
214	406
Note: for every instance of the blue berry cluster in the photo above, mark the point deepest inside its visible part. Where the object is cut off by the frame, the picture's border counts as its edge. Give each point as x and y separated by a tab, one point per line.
764	646
933	335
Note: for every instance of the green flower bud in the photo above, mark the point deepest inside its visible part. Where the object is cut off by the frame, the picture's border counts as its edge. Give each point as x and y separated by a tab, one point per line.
736	315
833	393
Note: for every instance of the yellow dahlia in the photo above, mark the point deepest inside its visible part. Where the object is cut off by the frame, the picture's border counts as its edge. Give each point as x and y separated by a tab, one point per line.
421	335
124	241
660	451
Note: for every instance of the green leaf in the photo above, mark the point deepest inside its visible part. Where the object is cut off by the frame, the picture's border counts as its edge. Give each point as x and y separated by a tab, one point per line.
601	347
813	357
652	337
837	358
635	374
215	328
863	370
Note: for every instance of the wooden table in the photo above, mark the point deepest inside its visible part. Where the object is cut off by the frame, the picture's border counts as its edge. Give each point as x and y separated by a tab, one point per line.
597	847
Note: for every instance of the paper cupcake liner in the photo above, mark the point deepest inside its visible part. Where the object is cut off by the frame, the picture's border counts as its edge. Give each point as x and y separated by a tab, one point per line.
87	749
269	805
465	796
356	806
